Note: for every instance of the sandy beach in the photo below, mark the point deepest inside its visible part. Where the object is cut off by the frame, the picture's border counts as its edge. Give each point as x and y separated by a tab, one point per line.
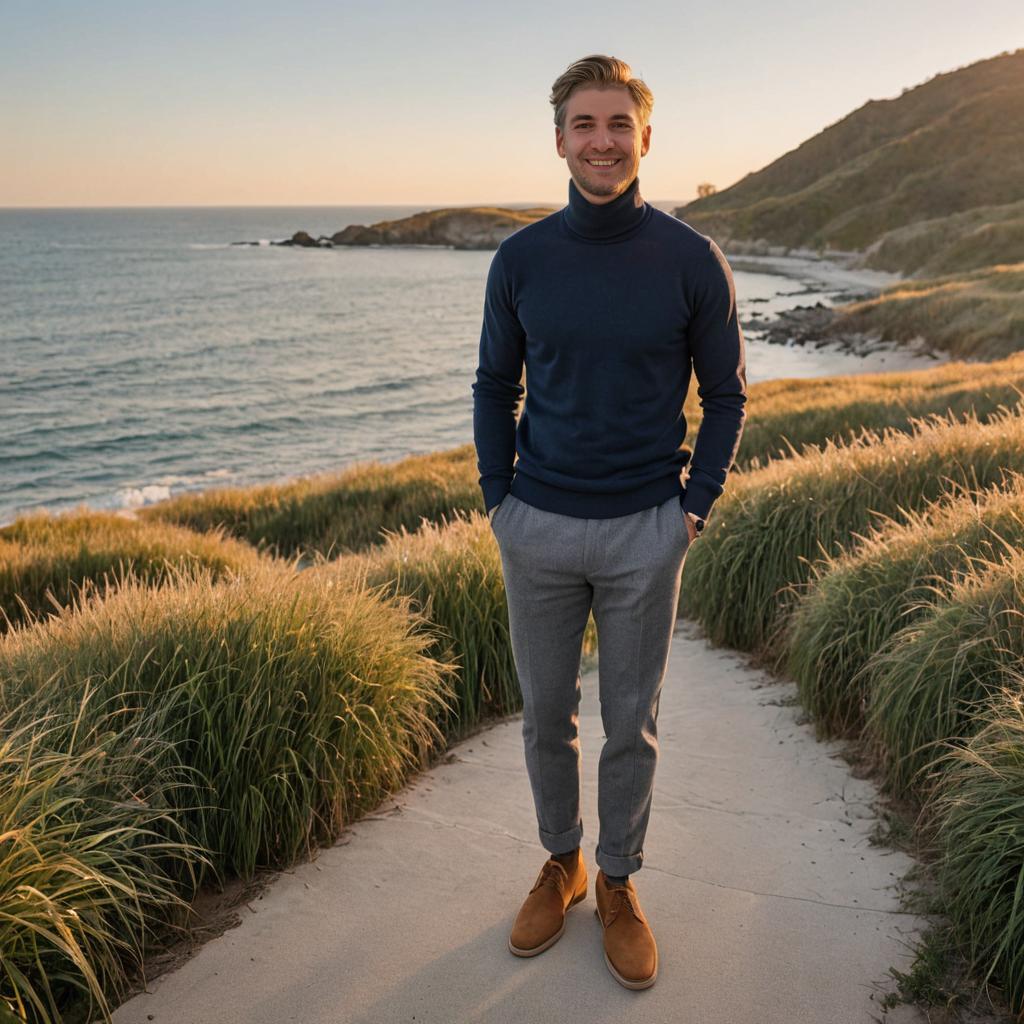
784	329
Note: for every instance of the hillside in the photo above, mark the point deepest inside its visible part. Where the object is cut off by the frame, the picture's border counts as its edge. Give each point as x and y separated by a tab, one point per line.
478	227
947	147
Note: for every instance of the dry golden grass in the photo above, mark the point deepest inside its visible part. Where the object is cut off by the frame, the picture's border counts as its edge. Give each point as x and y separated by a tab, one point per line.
979	314
45	560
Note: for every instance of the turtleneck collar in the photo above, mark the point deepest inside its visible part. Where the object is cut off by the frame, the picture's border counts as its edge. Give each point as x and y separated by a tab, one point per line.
605	221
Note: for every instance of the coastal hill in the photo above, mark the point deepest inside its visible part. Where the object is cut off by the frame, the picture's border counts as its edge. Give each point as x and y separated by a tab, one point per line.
465	227
931	181
472	227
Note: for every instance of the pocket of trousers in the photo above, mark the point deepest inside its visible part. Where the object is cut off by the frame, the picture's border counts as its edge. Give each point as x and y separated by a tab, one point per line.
683	524
497	512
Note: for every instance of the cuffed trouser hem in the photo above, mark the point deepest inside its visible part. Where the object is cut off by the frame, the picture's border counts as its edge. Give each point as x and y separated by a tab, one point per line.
617	866
561	842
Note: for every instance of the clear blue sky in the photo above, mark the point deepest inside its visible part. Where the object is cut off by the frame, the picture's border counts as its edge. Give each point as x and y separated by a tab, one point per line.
444	102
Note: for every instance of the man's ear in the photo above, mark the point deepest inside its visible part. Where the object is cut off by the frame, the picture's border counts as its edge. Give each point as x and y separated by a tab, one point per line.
645	140
559	141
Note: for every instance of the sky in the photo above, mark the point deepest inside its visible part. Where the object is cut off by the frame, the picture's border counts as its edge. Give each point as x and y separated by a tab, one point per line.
445	102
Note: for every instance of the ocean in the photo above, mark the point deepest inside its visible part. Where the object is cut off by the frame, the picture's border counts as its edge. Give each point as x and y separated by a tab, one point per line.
143	354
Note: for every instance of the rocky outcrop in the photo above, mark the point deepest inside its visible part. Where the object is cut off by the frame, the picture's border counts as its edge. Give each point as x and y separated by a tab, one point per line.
461	227
304	240
475	227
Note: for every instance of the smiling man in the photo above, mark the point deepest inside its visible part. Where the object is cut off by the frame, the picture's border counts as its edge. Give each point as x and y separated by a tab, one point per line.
611	306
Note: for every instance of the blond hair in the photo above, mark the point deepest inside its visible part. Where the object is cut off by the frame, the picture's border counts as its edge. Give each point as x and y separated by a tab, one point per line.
600	71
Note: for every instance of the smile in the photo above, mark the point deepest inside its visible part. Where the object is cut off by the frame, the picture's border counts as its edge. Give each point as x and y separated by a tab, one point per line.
602	163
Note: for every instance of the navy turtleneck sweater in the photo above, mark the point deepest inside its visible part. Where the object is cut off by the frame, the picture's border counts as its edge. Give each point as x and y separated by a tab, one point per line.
608	306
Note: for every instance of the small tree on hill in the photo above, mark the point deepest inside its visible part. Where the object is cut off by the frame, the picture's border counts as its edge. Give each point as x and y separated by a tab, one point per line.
705	189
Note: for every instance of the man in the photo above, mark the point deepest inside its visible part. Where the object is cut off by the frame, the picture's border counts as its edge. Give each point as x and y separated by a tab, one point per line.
608	303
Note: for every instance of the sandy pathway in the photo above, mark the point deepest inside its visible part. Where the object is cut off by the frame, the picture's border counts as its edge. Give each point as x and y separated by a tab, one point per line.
769	904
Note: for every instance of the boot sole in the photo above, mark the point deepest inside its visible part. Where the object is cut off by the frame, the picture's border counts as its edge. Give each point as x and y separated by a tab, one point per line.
643	982
548	943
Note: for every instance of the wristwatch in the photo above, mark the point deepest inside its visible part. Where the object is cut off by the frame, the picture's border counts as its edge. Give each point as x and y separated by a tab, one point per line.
698	523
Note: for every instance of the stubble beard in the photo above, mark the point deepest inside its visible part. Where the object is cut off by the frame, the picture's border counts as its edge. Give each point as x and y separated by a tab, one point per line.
599	188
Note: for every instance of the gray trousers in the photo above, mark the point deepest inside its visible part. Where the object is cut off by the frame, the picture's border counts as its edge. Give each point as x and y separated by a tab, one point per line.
627	569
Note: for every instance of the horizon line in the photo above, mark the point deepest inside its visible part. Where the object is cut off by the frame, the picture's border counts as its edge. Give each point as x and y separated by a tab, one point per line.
298	206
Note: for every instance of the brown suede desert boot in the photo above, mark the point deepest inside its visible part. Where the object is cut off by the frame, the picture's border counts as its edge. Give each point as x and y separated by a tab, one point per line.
541	919
629	947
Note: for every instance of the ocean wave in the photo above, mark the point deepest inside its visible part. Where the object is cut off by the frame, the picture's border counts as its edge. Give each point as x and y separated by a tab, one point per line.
136	497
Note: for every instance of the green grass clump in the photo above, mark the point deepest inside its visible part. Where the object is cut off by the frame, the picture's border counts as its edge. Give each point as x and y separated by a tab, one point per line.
858	599
297	701
452	573
85	841
975	818
46	559
925	683
769	527
272	707
334	513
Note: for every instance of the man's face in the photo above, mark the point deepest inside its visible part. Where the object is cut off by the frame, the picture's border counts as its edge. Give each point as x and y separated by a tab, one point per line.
602	124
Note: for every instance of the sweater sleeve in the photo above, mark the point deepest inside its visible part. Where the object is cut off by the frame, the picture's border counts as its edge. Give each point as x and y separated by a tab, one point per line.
497	389
719	361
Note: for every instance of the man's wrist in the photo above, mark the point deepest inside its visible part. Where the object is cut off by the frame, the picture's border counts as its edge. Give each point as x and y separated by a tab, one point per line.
698	522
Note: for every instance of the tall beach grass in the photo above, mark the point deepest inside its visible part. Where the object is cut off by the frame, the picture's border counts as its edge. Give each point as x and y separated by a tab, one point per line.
974	817
856	600
754	559
273	707
85	841
331	514
45	559
927	681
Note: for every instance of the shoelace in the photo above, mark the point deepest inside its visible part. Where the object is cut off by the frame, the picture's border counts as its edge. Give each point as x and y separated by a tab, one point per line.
552	874
625	896
620	897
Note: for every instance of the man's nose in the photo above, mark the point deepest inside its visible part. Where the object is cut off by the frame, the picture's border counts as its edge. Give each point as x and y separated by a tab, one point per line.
604	140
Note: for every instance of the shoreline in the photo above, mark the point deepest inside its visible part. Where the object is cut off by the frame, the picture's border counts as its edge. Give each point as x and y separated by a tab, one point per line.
835	279
833	272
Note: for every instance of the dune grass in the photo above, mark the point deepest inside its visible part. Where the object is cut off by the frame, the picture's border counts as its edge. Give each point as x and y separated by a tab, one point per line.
47	559
856	600
298	700
333	513
977	314
974	818
276	707
452	573
927	681
83	860
772	524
